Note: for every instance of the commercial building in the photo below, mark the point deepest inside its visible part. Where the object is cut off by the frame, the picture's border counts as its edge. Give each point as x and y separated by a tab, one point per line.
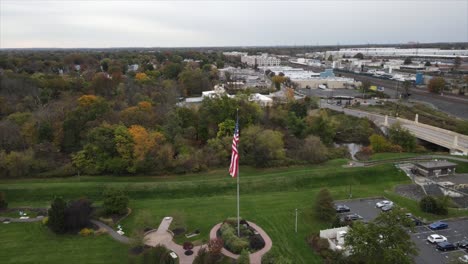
261	60
235	54
435	168
396	52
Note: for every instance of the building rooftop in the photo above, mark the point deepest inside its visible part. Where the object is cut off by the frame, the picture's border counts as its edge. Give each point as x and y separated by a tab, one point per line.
436	164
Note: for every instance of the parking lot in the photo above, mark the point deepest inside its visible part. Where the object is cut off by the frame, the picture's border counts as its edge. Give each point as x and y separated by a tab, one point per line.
363	207
428	254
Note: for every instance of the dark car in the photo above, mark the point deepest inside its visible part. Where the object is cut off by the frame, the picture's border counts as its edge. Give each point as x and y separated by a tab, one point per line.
445	246
438	225
352	217
342	208
462	244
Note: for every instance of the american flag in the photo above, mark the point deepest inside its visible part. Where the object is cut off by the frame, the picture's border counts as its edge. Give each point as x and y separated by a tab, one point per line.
234	167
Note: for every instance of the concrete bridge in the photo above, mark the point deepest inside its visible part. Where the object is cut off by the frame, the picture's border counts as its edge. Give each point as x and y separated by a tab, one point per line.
455	142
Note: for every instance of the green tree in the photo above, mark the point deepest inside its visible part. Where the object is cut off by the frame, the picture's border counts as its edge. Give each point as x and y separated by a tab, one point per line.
226	128
407	61
312	150
115	201
3	202
379	143
324	206
322	127
194	82
433	205
56	214
359	56
401	136
436	85
330	58
406	88
382	241
457	62
262	147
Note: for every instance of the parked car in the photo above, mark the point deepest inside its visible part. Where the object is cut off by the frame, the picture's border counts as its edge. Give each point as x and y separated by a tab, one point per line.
462	244
438	225
383	203
387	207
435	238
353	217
445	246
342	208
463	258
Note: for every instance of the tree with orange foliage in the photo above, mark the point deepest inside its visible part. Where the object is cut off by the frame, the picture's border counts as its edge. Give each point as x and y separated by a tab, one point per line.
141	76
87	100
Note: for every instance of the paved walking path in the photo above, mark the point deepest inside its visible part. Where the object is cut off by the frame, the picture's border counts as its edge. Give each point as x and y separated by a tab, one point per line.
112	232
255	258
162	236
17	220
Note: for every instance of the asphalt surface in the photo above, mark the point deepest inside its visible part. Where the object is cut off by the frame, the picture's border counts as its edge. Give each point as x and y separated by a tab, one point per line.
364	207
456	105
428	254
451	104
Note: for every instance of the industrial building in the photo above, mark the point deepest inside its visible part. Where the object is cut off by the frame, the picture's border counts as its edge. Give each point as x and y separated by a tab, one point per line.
435	168
396	52
261	60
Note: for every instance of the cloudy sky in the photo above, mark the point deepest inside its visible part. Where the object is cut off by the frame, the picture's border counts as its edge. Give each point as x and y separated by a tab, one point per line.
75	23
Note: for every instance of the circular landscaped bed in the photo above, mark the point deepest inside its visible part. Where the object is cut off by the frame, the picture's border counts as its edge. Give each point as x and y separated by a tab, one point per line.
249	238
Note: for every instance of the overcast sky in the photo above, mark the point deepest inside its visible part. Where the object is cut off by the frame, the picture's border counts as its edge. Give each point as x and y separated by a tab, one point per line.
71	23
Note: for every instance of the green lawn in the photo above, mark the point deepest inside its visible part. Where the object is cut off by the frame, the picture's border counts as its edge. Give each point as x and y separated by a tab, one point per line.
33	243
199	201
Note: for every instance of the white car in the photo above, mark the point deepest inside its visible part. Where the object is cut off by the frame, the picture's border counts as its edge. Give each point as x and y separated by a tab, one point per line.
383	203
464	258
435	238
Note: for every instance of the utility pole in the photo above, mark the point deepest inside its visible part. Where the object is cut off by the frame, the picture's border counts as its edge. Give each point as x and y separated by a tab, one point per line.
296	222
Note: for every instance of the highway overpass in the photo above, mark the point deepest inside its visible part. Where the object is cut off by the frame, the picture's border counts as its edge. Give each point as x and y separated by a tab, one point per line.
455	142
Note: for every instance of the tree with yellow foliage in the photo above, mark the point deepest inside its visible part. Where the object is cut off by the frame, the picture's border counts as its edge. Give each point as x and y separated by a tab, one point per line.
141	76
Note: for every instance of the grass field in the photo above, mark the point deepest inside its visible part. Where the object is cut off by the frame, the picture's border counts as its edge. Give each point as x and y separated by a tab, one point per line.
33	243
199	201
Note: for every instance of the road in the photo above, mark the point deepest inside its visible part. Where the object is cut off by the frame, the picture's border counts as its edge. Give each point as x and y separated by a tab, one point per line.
455	105
442	137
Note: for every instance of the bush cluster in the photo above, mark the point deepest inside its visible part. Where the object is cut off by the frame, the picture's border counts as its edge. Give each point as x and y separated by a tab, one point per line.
3	202
115	201
232	242
158	254
86	232
69	217
433	205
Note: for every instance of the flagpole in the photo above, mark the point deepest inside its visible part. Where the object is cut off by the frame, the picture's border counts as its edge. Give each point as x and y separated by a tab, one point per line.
238	173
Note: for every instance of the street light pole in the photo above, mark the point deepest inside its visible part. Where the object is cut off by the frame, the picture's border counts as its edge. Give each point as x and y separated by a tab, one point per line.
296	222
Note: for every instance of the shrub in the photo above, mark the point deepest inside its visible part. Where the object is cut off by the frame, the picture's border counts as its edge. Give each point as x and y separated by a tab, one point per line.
324	207
188	245
244	257
86	232
77	215
115	201
273	257
430	204
56	221
205	256
236	245
45	220
215	245
317	243
3	202
256	242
